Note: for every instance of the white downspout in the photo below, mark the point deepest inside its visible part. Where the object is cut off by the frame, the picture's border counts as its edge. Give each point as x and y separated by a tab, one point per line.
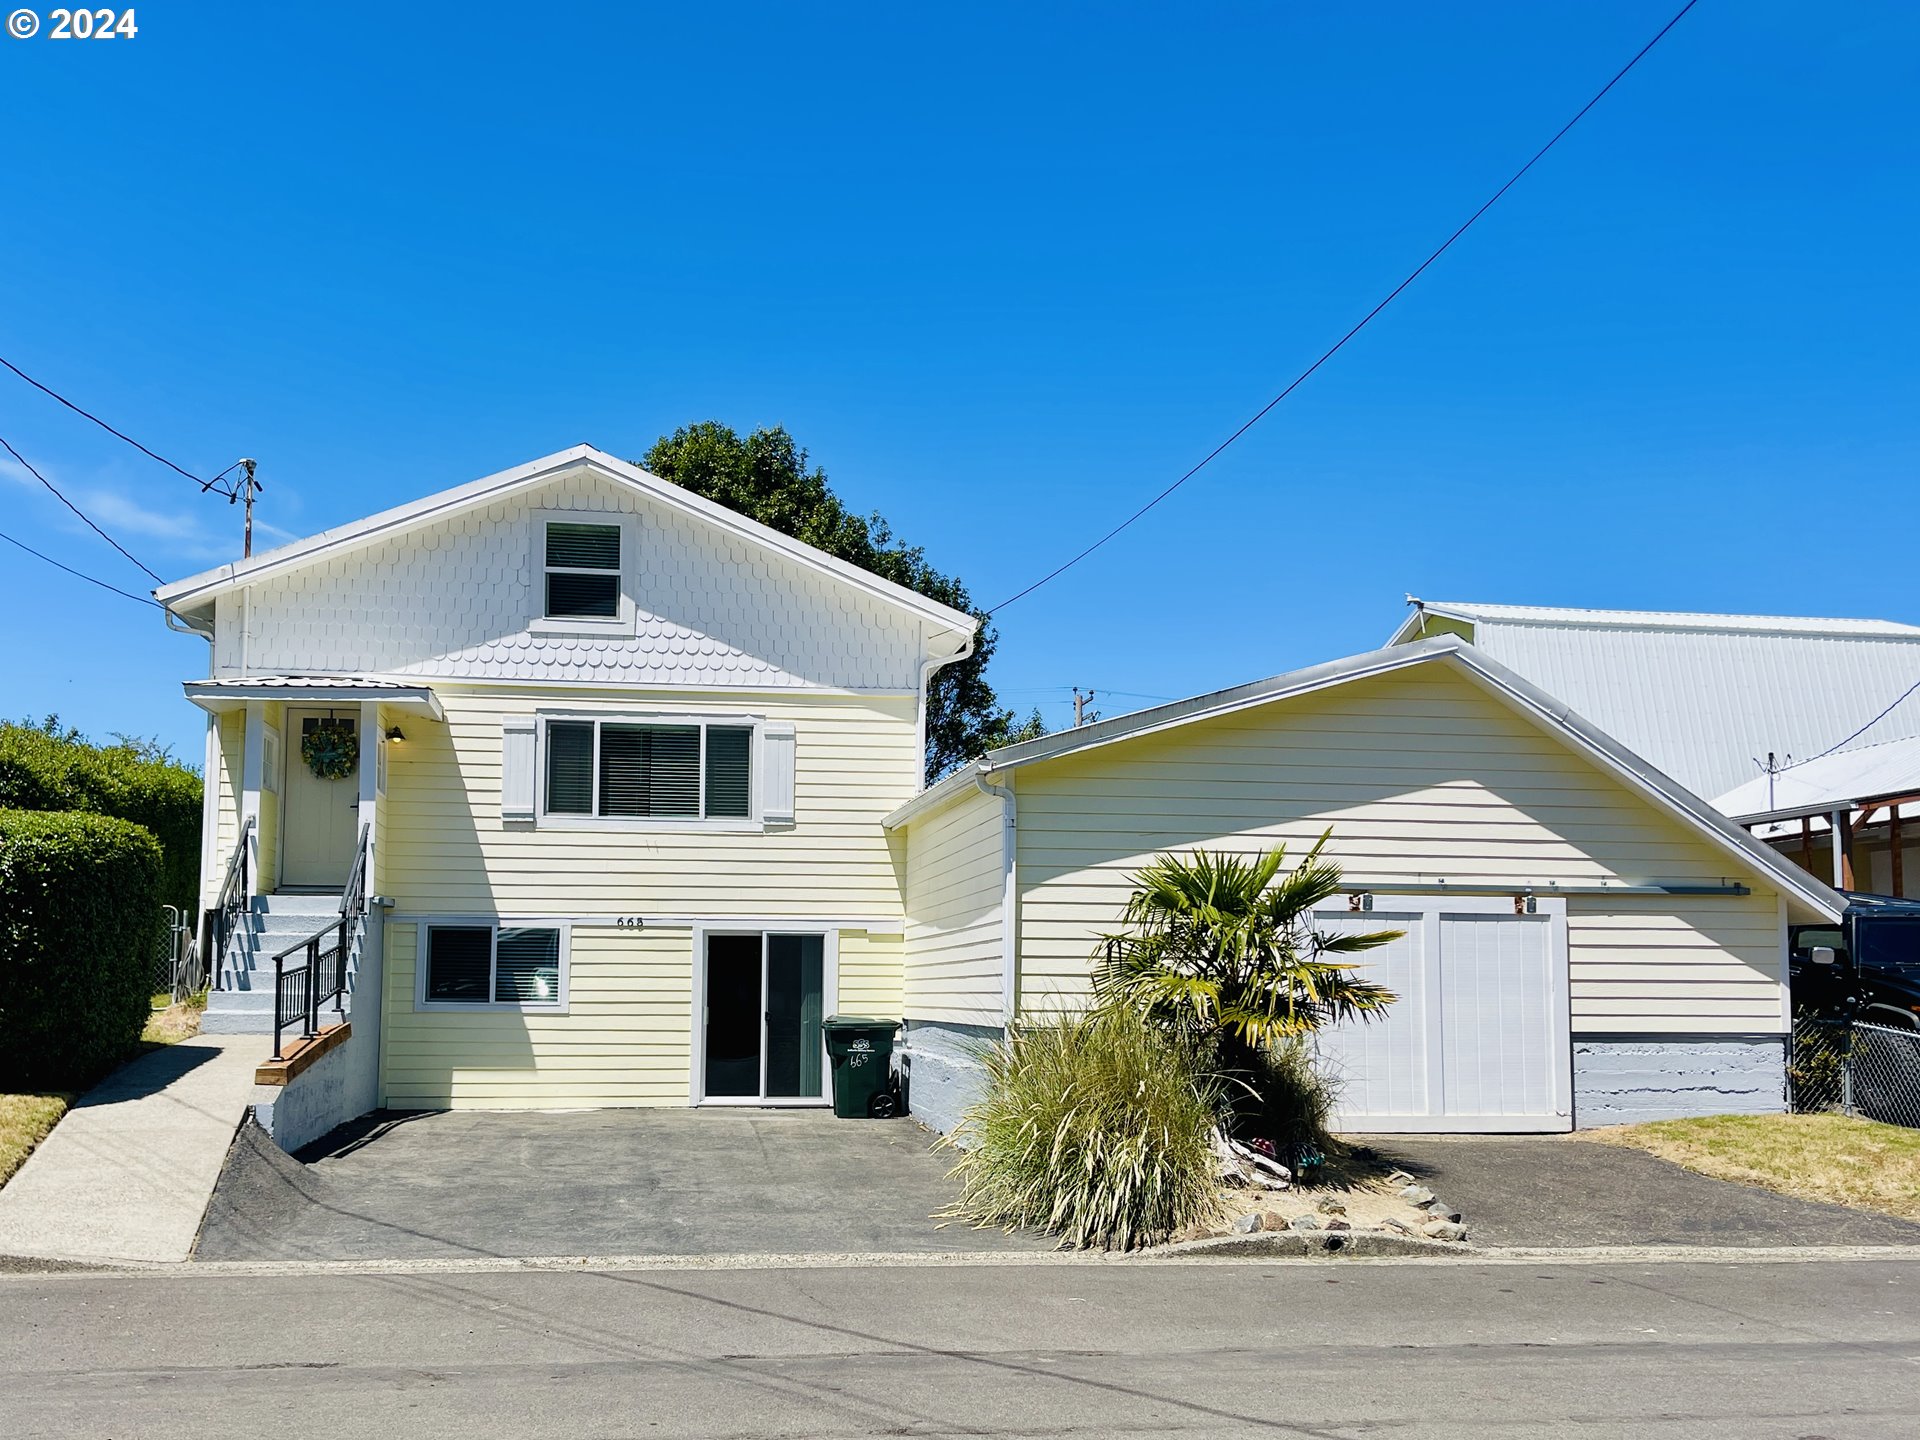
927	670
1009	916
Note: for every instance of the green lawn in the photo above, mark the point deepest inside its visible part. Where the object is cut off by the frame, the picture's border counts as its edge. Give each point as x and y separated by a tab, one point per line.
1841	1160
26	1119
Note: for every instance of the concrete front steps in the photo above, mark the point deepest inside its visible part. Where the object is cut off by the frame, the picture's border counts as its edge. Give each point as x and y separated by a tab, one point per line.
242	1004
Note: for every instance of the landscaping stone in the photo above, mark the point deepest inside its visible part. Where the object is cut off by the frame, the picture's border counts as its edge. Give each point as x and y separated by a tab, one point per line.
1330	1206
1247	1225
1272	1220
1416	1194
1305	1222
1396	1227
1443	1230
1440	1210
1336	1223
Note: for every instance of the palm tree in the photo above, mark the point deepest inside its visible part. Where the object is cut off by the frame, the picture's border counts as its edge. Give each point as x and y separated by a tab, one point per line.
1221	951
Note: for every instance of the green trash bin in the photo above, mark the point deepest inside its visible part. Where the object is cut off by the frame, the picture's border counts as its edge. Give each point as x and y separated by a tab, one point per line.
861	1049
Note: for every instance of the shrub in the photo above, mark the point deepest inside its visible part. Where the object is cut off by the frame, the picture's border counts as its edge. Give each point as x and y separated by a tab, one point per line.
1095	1127
78	894
1283	1098
47	768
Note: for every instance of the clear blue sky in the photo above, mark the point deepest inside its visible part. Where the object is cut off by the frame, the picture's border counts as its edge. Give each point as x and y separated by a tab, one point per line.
1005	271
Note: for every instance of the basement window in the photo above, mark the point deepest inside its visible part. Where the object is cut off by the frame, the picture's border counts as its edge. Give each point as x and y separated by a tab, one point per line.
492	965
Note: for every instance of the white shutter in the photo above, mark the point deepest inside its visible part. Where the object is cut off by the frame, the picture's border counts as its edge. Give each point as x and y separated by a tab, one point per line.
776	772
517	767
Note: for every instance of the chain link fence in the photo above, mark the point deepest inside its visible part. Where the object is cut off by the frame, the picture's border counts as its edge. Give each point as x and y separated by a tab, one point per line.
1855	1067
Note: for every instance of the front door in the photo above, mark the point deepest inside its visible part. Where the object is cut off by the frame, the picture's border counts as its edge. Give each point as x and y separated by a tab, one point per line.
761	1031
321	819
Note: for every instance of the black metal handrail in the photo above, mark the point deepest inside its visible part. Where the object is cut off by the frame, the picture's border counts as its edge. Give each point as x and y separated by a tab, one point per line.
224	919
301	991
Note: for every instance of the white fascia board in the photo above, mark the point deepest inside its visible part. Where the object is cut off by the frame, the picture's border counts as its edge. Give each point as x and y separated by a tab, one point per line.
196	589
1410	628
1639	776
218	696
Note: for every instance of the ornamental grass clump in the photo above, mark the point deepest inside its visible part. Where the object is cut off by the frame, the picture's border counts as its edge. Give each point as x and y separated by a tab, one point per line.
1093	1127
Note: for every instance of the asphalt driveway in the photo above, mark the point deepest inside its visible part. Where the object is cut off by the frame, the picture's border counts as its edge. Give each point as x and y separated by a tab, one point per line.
1550	1191
400	1186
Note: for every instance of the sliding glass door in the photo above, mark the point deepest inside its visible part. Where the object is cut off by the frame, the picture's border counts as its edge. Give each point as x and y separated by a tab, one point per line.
765	997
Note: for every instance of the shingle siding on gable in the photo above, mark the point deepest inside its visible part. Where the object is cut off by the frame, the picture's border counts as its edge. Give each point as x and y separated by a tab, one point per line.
455	598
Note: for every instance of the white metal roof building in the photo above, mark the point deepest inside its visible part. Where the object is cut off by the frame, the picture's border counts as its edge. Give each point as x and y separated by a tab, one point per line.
1703	697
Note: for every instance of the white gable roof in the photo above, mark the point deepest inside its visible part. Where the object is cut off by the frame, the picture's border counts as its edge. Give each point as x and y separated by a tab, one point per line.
1602	749
196	590
1704	697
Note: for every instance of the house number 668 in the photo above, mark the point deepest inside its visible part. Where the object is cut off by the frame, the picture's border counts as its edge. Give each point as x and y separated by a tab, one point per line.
629	922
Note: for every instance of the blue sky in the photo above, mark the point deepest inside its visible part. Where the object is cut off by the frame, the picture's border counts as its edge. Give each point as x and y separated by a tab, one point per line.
1005	271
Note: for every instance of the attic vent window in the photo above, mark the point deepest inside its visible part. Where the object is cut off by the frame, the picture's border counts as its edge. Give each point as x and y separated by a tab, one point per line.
582	571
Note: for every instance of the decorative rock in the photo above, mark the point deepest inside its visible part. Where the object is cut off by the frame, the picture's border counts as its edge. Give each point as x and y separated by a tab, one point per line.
1272	1220
1416	1194
1440	1210
1336	1223
1330	1206
1399	1177
1247	1225
1305	1222
1393	1225
1443	1230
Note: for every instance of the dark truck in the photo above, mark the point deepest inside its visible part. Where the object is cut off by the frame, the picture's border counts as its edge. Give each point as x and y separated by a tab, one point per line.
1866	968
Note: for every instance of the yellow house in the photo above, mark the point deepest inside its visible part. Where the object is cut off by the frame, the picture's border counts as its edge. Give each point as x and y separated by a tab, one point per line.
595	770
568	788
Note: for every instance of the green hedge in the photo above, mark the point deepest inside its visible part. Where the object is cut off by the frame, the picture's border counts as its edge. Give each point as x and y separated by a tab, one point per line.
78	894
45	769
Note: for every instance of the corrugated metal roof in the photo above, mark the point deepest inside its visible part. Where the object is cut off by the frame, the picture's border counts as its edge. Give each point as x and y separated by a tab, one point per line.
1669	620
1706	697
1829	782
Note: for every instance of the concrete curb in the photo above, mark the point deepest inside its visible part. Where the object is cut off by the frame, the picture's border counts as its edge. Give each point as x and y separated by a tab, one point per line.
1305	1244
1433	1252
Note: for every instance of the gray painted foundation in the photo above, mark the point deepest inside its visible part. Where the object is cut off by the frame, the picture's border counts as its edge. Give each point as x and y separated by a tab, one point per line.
343	1084
1624	1079
943	1070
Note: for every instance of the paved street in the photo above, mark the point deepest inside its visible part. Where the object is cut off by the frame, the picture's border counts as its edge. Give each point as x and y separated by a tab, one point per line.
1690	1351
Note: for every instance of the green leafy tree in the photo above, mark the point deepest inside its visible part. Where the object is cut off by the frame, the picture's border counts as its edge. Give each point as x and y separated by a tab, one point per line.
766	476
1220	951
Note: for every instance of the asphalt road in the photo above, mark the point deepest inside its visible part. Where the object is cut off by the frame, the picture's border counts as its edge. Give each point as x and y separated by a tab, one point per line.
1689	1350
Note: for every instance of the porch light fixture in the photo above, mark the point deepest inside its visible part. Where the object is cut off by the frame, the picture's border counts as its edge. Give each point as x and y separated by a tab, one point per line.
396	733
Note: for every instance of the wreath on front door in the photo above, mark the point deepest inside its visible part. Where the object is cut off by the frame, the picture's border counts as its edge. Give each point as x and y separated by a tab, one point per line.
331	750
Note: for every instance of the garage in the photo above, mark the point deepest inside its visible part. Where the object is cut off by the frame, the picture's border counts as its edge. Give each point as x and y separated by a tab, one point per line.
1585	941
1477	1040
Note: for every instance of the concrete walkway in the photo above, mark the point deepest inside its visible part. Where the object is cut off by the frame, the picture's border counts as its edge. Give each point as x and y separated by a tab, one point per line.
127	1173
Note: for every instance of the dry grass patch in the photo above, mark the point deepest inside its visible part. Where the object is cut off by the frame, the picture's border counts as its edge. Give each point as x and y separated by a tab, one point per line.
1840	1159
170	1024
24	1123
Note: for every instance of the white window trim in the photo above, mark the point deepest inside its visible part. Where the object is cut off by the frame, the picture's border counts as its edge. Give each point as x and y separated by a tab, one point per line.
270	759
752	822
541	623
829	1005
424	924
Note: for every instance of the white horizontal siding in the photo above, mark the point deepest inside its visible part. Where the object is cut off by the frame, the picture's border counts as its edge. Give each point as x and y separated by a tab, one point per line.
1423	777
955	888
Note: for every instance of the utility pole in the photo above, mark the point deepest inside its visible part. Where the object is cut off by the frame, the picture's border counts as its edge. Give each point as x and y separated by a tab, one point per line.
1081	714
244	492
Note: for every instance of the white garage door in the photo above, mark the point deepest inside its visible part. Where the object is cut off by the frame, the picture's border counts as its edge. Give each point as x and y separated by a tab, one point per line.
1478	1038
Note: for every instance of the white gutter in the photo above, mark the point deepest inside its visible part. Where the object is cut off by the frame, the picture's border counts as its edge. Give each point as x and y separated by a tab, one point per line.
1009	894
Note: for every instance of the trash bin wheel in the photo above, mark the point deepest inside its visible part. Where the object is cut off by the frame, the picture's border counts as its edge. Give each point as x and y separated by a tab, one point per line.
884	1106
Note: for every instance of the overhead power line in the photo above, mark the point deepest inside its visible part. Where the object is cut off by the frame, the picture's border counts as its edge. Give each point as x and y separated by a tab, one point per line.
79	575
28	466
1842	744
212	484
1364	321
